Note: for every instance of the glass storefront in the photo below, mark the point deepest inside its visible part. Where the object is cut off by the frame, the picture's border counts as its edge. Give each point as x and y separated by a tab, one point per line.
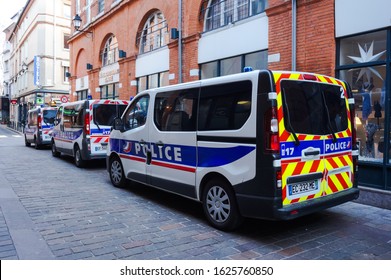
364	62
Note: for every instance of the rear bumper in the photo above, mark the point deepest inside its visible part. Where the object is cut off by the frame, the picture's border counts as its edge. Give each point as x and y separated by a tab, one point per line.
267	208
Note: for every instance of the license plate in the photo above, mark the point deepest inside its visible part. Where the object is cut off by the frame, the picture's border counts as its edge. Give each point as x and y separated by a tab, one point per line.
100	148
303	187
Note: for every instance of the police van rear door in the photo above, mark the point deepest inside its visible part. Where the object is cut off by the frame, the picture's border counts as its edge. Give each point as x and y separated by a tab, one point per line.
315	136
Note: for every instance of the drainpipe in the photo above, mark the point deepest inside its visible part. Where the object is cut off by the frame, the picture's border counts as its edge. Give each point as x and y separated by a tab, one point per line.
180	41
294	20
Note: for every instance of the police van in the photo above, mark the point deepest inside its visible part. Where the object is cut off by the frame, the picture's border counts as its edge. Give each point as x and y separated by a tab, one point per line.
39	125
82	128
272	145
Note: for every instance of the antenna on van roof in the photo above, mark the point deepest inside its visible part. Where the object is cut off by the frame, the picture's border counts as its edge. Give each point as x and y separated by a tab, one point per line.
247	69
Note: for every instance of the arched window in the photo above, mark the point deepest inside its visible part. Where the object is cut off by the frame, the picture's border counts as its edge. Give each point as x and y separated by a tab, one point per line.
110	51
223	12
154	34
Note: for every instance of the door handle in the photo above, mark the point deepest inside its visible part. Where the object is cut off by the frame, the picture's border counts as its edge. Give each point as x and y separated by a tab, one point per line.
159	144
311	153
142	142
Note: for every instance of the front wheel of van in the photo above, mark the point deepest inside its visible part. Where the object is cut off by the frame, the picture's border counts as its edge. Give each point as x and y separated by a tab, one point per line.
116	171
79	162
220	207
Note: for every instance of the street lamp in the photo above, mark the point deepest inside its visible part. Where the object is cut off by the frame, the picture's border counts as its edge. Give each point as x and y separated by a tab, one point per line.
77	23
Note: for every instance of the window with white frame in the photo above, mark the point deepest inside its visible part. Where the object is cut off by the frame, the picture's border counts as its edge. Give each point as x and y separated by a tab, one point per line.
223	12
110	51
101	6
154	34
65	74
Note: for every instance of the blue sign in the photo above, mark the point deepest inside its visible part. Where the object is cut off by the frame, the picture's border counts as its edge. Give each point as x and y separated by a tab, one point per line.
37	70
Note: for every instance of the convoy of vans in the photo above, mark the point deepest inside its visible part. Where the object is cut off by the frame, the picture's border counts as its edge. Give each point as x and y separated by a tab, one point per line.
262	144
40	122
82	128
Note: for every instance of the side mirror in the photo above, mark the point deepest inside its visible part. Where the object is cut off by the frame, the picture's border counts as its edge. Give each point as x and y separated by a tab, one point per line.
118	124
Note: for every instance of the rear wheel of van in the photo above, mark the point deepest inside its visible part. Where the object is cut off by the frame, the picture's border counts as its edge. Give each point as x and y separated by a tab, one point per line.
220	207
26	143
55	153
37	146
116	171
78	159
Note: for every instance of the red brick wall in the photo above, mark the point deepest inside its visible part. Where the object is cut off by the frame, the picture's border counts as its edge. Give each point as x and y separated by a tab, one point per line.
315	35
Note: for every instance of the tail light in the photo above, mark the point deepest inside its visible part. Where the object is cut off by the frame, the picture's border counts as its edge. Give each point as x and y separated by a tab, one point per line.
39	120
87	123
272	140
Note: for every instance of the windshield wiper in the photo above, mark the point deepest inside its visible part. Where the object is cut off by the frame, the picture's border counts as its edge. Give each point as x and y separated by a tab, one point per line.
328	118
288	121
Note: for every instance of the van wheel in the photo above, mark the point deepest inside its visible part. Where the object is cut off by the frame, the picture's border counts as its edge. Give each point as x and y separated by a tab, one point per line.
55	153
26	143
78	159
220	207
116	171
37	146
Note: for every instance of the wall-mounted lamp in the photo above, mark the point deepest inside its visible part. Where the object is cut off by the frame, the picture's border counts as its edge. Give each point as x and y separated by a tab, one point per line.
68	75
77	23
174	33
89	66
121	54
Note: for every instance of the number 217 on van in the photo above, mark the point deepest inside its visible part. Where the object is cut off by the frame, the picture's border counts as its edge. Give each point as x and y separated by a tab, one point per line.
261	144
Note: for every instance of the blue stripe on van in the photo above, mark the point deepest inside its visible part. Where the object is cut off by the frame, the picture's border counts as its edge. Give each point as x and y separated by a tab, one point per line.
184	155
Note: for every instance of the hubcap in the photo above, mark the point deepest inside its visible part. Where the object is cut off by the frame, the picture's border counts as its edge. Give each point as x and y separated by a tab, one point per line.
116	172
218	204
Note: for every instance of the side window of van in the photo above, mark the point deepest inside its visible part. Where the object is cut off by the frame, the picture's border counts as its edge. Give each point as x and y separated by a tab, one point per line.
137	113
176	110
225	106
68	113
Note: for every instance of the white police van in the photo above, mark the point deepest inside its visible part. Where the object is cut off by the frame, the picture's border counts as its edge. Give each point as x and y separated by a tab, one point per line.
39	125
263	144
82	128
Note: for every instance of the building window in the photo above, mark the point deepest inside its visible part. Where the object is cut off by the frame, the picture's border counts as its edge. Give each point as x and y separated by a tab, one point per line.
233	65
88	11
67	11
101	6
65	74
82	94
154	34
66	38
109	91
152	81
362	63
110	51
223	12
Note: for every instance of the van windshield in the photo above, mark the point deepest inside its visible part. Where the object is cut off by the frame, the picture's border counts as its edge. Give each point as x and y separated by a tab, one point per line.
104	114
313	108
49	116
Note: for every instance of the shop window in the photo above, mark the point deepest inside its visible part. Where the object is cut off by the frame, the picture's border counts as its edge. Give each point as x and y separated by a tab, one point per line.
153	81
233	65
369	97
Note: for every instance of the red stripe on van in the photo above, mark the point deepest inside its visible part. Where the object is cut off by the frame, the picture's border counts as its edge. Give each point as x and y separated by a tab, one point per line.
133	158
174	166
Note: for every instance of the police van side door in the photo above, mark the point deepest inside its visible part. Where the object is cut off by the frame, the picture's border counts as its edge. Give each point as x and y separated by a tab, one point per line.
172	138
131	144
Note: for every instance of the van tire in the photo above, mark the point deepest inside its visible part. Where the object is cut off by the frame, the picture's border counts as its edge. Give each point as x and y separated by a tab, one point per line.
116	172
37	146
220	207
26	143
55	153
79	162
